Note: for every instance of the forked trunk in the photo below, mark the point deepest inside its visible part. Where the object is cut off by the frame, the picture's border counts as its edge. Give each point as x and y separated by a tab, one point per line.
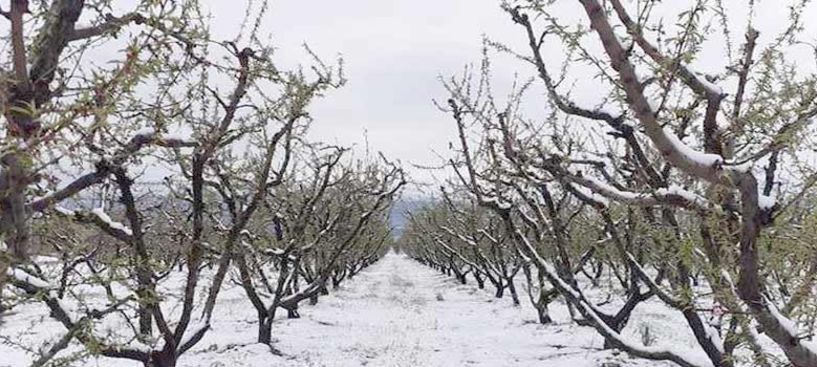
163	358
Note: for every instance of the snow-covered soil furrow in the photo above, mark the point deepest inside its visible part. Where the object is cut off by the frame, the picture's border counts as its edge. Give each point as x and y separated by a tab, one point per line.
395	313
400	313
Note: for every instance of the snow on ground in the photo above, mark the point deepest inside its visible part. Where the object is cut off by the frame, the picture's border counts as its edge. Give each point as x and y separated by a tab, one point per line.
399	313
392	315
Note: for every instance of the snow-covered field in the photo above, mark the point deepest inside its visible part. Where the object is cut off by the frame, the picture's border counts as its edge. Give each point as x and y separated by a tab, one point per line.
395	313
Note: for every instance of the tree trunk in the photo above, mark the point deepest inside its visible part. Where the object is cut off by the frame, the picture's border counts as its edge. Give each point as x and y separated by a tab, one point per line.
500	289
461	279
264	329
514	295
544	316
480	280
164	358
599	270
145	321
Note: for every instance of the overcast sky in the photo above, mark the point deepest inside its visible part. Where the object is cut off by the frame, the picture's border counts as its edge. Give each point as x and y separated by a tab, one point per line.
395	50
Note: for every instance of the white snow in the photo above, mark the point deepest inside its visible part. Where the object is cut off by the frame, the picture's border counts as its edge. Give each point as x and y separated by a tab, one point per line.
274	252
688	357
390	315
100	213
711	87
785	322
64	307
765	202
147	131
63	210
395	313
706	159
611	191
744	167
713	335
501	204
605	187
655	104
591	183
175	137
592	195
25	277
684	193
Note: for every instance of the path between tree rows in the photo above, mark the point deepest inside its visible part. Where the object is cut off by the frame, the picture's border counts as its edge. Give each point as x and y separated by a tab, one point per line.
400	313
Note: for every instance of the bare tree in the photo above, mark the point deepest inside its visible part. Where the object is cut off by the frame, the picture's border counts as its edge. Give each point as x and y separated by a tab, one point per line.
333	219
674	179
239	151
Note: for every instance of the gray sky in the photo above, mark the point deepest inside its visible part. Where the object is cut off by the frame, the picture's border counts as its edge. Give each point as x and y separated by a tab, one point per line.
395	50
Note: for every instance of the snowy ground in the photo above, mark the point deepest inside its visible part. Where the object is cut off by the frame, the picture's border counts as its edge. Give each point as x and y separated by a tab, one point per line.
399	313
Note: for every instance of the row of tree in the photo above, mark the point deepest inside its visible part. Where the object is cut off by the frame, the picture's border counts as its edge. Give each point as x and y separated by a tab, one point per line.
691	190
197	147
